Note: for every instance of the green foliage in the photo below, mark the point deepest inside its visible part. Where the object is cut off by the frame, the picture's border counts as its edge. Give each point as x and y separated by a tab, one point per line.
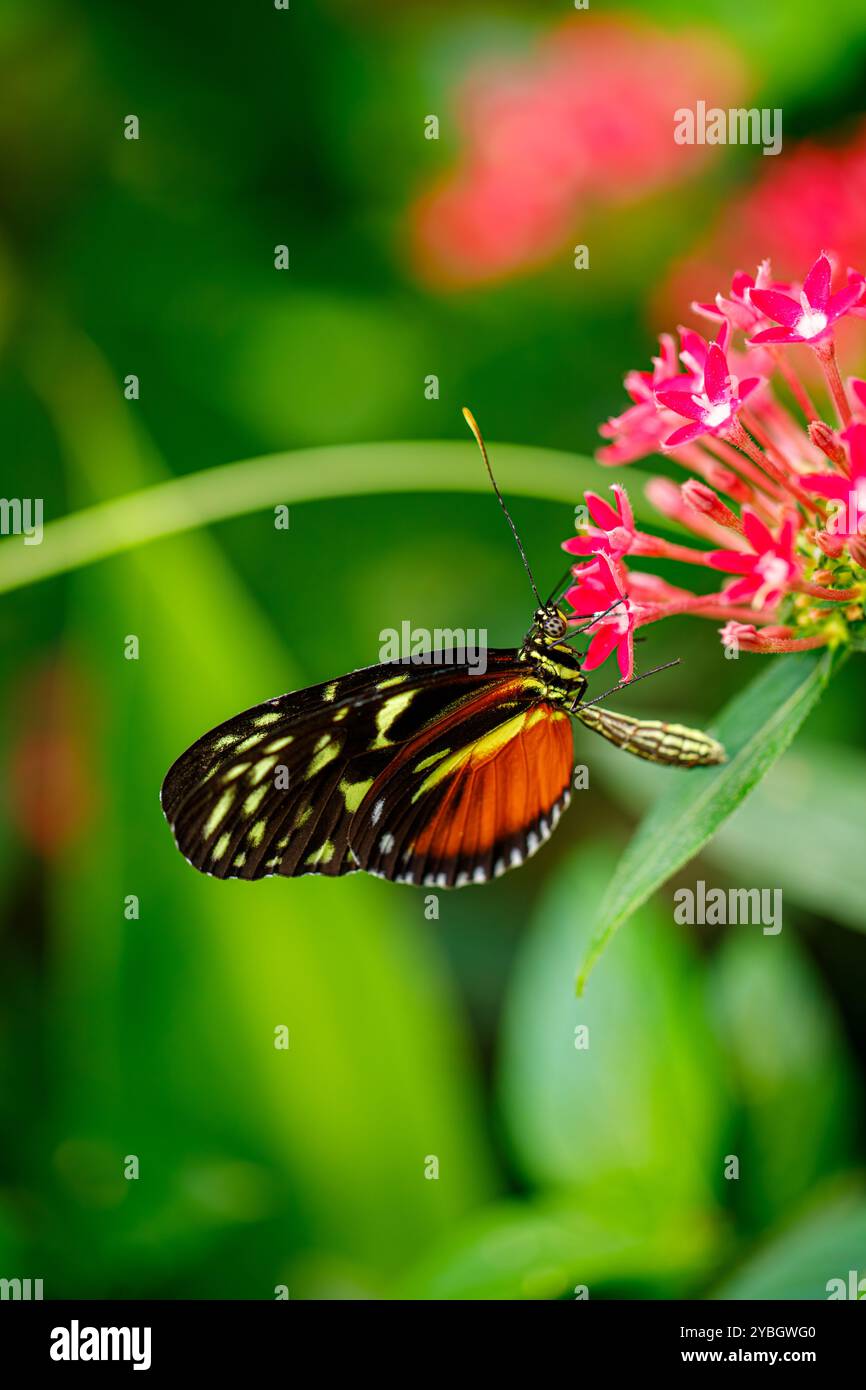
154	1036
755	730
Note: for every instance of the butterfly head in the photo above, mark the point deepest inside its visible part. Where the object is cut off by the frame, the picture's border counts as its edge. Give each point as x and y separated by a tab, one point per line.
549	624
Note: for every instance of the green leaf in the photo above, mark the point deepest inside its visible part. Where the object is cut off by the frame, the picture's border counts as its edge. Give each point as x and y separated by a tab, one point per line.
633	1121
543	1249
814	796
236	489
793	1074
755	728
826	1243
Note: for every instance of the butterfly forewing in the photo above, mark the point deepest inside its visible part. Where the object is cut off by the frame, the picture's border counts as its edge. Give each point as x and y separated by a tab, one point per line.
287	787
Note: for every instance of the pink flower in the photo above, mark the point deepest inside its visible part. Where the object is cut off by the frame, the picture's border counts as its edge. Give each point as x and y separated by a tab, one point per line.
858	391
811	319
598	589
713	410
794	542
641	428
613	533
769	572
738	309
848	493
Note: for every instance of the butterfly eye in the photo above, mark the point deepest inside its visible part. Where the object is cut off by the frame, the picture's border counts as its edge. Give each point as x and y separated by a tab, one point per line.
552	622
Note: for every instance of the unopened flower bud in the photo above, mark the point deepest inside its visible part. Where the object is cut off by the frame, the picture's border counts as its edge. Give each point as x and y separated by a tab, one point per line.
703	499
827	441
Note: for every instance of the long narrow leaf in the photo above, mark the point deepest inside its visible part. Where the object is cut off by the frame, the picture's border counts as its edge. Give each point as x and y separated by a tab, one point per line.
756	728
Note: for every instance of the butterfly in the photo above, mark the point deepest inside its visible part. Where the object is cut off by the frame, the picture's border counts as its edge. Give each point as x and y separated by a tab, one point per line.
438	774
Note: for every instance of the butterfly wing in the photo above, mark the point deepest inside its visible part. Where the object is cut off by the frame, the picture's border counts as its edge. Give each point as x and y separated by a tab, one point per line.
472	796
275	789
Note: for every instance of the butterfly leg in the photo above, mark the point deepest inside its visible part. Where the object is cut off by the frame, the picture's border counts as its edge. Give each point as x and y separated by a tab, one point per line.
657	742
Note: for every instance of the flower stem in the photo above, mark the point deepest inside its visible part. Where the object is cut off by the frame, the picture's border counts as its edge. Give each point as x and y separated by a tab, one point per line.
798	390
826	355
737	435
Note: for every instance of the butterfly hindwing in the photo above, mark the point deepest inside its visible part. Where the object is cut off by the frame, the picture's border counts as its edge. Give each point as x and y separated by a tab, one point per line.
472	797
276	789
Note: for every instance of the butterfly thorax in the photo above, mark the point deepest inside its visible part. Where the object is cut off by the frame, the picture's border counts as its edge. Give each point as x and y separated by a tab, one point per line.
557	666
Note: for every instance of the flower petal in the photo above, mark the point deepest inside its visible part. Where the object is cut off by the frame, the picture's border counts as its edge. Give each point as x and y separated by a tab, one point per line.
730	561
816	285
602	512
716	374
757	534
780	307
776	335
683	436
839	304
601	647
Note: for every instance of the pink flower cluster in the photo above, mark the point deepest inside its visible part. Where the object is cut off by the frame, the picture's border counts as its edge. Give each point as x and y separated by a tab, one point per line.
586	116
775	494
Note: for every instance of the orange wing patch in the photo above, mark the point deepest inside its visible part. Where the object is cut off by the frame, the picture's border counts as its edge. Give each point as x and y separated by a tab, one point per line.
474	812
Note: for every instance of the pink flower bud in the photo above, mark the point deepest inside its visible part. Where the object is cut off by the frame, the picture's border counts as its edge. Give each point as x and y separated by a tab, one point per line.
703	499
827	441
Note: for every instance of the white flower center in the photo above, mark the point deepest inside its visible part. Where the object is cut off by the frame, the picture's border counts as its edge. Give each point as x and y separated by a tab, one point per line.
713	415
811	321
773	571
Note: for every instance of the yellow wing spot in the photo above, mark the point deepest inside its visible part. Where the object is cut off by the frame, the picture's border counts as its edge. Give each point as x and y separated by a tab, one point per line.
354	793
235	772
303	817
281	844
253	801
391	710
221	846
428	762
218	812
279	743
341	713
261	770
249	743
257	832
239	860
226	741
329	691
327	749
264	720
323	855
392	680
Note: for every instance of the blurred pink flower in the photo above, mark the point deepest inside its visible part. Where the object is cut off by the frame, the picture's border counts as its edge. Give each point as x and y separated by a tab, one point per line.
586	118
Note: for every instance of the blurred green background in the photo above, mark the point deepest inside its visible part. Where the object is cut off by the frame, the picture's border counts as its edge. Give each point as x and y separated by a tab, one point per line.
558	1167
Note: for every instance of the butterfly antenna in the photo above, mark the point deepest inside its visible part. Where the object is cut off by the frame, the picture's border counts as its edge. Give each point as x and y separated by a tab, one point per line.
624	684
471	422
557	587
